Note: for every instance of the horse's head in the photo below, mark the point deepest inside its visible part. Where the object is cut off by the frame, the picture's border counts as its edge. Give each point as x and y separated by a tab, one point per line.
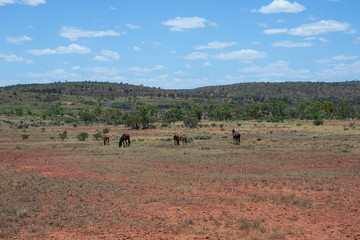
120	141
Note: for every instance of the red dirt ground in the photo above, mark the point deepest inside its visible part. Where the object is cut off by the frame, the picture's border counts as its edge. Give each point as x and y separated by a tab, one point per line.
220	204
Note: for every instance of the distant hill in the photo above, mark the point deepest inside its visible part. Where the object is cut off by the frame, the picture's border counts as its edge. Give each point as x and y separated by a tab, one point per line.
238	93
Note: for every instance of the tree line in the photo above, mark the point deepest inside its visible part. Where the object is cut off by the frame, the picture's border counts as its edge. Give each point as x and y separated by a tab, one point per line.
147	116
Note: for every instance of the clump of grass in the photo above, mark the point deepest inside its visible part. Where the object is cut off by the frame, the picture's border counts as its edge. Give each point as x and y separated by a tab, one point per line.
246	225
202	137
25	136
293	200
318	122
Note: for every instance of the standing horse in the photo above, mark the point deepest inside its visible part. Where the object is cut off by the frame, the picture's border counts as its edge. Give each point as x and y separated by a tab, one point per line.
236	137
126	139
106	140
176	139
183	139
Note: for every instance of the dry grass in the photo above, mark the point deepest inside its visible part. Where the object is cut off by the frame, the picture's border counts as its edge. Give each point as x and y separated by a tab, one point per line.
272	186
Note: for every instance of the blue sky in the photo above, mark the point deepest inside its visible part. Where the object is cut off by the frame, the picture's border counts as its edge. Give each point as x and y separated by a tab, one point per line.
176	44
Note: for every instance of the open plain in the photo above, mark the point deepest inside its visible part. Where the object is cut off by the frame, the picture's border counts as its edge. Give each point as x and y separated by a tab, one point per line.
290	180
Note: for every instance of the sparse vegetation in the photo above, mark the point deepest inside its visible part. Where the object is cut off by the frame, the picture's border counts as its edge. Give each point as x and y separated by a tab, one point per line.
285	174
82	136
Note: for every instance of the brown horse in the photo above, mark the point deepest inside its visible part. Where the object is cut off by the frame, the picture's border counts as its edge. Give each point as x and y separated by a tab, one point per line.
176	139
183	139
126	139
106	140
236	137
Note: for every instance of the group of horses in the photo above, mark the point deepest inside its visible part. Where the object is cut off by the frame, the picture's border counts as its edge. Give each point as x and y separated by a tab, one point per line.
178	138
125	138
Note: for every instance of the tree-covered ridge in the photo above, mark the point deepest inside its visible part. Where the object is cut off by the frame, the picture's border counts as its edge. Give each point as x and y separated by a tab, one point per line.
239	93
35	103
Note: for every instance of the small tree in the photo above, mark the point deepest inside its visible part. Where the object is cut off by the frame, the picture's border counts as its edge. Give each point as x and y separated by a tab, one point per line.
133	122
318	122
191	122
82	136
25	136
98	135
106	130
63	135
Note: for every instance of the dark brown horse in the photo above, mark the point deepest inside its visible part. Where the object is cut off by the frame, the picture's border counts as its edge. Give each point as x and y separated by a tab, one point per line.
126	139
176	139
183	139
106	140
236	137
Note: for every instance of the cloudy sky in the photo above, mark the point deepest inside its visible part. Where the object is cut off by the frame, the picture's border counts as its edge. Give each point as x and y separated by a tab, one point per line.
179	43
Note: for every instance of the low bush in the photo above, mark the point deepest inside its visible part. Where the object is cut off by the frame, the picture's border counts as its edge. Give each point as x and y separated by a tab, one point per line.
82	136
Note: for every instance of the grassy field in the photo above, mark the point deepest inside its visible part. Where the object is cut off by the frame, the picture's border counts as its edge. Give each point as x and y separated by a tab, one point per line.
289	180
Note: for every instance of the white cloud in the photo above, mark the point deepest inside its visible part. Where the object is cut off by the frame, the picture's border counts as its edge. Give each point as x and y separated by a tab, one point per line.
264	25
207	64
3	2
107	56
51	75
14	58
25	2
340	70
196	56
291	44
216	45
323	40
33	2
73	33
279	69
282	6
321	27
182	23
336	59
243	55
72	48
136	48
344	58
18	40
131	26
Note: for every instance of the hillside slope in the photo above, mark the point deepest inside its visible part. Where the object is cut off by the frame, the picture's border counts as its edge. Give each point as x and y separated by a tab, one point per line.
242	92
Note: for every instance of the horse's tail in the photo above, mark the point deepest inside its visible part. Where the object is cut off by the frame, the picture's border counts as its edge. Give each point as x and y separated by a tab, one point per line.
129	140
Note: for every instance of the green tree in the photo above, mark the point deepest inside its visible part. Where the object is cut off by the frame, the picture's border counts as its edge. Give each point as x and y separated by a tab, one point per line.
173	115
56	109
344	109
191	122
197	111
253	110
63	135
86	116
329	108
277	108
82	136
133	122
19	111
106	130
98	135
146	116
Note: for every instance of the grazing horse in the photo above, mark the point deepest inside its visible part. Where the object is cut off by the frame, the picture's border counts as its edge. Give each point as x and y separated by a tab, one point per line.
106	140
236	137
183	139
124	138
176	139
